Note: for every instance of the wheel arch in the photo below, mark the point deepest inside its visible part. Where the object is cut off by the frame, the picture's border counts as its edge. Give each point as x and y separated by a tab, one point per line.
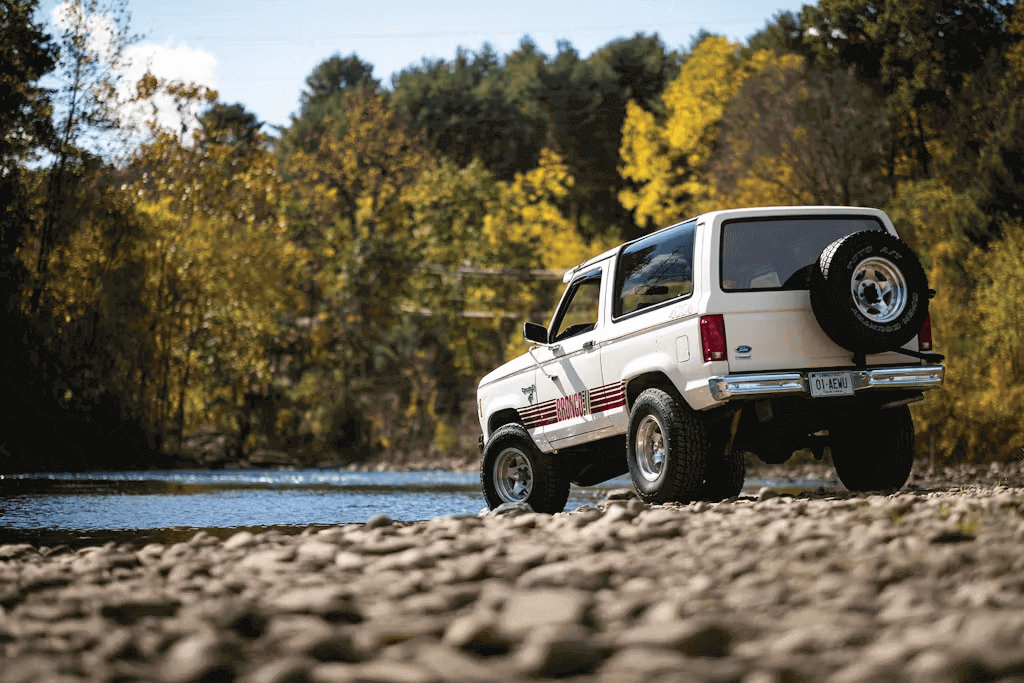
652	380
501	418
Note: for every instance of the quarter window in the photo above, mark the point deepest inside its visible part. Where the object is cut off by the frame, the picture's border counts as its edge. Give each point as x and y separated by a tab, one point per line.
655	269
580	311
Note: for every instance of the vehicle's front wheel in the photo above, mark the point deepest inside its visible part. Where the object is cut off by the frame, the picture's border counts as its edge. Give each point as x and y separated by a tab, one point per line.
515	471
667	449
874	451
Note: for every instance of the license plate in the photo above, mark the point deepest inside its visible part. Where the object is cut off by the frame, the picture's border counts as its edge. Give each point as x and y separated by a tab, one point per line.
830	384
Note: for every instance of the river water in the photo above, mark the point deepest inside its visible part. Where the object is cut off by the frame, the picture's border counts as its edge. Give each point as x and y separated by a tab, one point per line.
92	503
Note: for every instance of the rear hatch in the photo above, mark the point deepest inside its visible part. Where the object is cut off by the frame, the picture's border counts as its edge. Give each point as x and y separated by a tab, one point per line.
765	267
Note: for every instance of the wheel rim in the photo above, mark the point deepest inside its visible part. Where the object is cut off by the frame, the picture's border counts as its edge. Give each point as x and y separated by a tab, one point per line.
879	290
650	448
513	476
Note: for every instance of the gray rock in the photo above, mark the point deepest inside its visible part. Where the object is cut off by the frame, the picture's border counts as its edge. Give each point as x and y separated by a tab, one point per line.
15	551
128	612
379	520
643	664
477	633
559	650
510	509
204	656
694	638
291	670
316	552
332	603
242	539
528	610
374	672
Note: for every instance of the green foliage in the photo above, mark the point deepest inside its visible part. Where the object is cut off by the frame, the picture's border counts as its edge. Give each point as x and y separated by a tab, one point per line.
27	55
505	113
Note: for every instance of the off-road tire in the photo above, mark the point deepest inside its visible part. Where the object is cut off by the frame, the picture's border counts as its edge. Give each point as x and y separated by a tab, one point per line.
873	451
548	489
683	449
725	472
869	292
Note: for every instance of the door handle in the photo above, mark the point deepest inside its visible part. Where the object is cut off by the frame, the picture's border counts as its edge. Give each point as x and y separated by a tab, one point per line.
588	346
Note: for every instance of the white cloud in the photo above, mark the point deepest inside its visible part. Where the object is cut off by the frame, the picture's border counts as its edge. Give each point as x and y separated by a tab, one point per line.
169	63
179	63
73	17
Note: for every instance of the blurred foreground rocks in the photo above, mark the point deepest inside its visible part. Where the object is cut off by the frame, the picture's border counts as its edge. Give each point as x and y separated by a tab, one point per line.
923	585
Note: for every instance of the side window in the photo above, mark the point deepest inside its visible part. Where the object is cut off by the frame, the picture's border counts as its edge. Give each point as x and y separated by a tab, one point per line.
655	269
580	311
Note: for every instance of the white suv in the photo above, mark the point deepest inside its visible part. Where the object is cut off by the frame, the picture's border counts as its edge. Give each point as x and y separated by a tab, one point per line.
763	330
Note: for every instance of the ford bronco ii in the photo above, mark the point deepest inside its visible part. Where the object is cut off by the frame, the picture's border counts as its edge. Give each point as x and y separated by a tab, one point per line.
764	330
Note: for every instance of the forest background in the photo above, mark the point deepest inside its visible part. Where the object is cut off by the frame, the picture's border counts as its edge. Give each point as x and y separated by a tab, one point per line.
329	292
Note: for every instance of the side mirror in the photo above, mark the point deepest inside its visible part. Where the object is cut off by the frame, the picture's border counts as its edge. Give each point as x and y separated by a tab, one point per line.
535	333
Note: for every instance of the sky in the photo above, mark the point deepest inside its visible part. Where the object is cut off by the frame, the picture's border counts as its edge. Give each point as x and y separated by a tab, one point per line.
259	52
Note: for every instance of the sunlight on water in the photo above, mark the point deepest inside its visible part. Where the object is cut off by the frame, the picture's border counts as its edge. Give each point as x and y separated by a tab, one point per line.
248	498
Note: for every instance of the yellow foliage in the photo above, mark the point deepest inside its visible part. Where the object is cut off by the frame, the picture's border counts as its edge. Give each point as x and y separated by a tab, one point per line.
667	159
977	323
1015	55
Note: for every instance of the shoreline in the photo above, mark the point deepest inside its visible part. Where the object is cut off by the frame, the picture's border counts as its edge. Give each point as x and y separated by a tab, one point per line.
921	585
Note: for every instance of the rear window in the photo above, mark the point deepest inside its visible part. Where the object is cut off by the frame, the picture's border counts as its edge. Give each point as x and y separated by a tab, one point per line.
655	269
779	253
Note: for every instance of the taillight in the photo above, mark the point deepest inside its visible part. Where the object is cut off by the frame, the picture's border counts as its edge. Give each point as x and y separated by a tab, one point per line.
924	337
712	337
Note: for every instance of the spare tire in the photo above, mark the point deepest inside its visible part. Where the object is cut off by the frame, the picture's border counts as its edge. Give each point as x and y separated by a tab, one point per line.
869	292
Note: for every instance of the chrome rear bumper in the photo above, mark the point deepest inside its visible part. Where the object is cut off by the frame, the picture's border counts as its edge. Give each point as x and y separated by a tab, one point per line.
915	377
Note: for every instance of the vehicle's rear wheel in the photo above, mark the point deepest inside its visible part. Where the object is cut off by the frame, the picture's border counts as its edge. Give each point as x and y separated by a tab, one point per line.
874	450
725	472
869	292
667	448
514	470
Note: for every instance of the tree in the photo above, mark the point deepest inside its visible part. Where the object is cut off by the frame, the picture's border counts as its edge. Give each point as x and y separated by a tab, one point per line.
346	212
665	157
586	106
811	137
92	44
333	76
323	102
920	55
217	273
976	323
27	54
473	107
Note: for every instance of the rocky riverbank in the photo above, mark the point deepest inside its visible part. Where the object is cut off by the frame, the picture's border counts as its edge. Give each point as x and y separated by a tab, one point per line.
923	585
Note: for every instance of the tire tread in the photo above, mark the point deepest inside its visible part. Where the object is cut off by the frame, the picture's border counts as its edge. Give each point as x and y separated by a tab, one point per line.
550	485
687	449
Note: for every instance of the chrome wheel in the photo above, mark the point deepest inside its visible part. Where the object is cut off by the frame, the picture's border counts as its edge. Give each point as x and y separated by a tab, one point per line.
650	448
879	290
513	476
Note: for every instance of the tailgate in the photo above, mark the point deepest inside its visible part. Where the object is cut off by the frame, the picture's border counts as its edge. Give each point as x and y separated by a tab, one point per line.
777	331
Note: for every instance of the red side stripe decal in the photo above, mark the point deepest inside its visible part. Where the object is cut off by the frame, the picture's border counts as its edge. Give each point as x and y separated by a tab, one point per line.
599	400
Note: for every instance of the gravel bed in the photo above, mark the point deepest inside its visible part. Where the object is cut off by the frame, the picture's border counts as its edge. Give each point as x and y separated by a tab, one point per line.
923	585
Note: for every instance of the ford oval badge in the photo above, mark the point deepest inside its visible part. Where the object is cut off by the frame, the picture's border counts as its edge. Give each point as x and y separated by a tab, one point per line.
743	349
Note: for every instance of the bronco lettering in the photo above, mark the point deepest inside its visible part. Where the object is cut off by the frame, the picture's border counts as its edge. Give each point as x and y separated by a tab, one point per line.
574	405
